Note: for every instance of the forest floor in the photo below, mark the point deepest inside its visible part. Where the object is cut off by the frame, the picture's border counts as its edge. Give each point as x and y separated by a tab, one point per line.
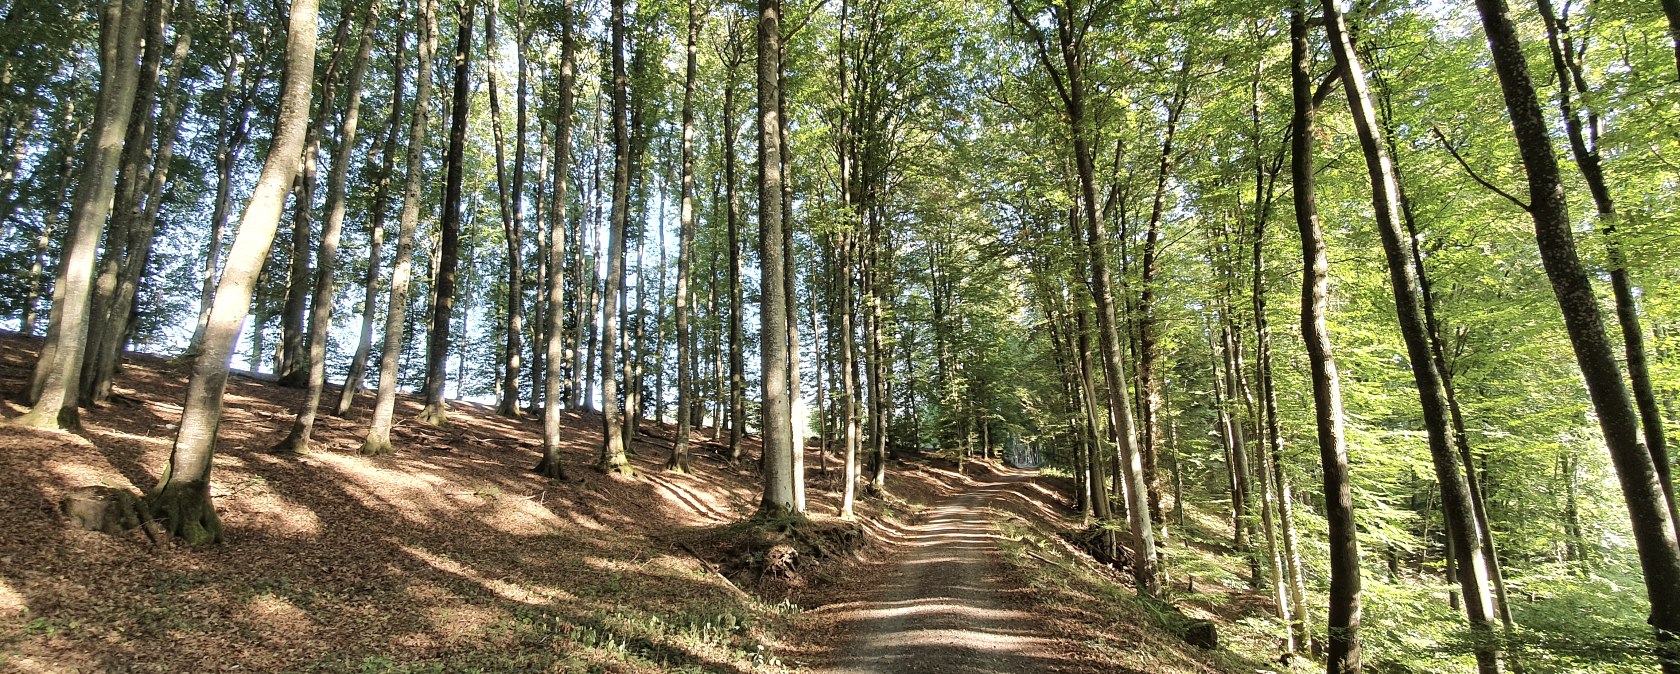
450	555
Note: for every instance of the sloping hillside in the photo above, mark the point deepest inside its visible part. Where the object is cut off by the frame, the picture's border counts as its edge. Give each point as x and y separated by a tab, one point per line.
451	556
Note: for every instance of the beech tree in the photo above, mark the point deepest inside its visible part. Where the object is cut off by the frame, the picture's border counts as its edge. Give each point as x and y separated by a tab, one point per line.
1649	509
55	384
378	440
181	499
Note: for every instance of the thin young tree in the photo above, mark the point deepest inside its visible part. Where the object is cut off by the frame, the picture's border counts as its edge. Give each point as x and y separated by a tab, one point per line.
449	226
290	366
1583	127
1071	23
1474	577
181	500
385	157
1342	652
326	256
510	200
734	55
378	440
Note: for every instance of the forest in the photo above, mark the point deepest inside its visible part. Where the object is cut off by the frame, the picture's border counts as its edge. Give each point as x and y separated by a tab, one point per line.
1350	331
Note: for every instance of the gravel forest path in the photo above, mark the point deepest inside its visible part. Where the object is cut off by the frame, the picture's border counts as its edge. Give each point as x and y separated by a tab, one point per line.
948	603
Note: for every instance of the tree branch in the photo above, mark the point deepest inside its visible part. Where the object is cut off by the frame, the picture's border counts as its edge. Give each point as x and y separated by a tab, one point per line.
1476	176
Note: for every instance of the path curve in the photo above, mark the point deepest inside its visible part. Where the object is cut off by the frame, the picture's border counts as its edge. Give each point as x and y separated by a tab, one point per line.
947	604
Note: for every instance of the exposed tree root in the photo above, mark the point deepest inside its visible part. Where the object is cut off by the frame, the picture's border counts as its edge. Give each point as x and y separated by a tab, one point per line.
185	511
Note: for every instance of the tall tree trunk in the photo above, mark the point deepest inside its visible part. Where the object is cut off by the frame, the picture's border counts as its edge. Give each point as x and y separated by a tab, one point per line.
509	198
142	236
290	366
232	133
1236	459
123	235
378	439
550	466
1095	481
613	458
1342	654
1289	557
1584	144
326	260
1071	87
376	224
780	495
43	239
55	383
737	305
1652	521
685	246
588	305
1455	491
1148	379
790	280
848	374
449	225
182	497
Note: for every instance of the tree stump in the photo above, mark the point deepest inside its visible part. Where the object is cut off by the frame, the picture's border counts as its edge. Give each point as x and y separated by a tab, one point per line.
104	509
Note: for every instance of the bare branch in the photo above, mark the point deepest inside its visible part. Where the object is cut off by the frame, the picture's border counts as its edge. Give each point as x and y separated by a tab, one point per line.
1476	176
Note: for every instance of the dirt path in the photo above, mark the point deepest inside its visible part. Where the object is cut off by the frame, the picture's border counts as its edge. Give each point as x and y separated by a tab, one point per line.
947	605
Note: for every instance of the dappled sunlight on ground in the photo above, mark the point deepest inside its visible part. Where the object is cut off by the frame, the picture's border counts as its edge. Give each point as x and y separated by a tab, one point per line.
449	553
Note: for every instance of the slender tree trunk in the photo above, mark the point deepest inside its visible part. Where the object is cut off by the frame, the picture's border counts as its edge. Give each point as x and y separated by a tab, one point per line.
1148	379
376	225
1095	481
588	305
143	235
613	458
1070	40
55	383
848	375
1584	144
1236	460
510	199
449	226
1289	557
737	334
378	439
1342	655
326	260
181	499
232	133
550	466
685	375
1652	521
290	366
1455	491
790	281
125	235
49	222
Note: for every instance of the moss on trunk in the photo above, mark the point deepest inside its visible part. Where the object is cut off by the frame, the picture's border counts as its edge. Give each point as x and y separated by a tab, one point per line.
185	511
